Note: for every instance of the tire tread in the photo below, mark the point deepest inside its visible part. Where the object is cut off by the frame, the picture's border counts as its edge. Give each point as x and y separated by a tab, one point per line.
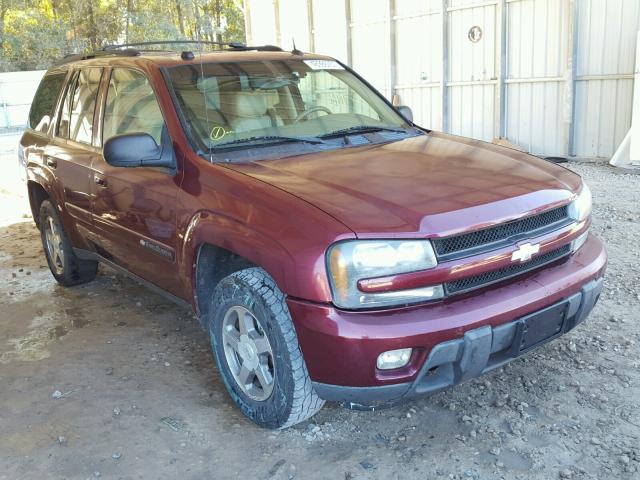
306	402
76	271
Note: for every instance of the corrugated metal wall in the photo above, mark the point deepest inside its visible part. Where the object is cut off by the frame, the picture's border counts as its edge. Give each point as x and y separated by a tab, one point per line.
418	82
537	78
472	77
554	76
606	35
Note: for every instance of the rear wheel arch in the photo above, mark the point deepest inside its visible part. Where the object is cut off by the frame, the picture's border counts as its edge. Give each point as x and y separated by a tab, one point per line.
66	267
37	195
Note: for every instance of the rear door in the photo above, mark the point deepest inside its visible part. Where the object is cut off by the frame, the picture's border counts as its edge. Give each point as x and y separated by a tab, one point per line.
41	121
134	209
73	149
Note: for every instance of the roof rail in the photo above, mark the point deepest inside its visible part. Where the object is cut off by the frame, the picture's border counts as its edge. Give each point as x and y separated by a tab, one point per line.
173	42
263	48
75	57
231	45
129	50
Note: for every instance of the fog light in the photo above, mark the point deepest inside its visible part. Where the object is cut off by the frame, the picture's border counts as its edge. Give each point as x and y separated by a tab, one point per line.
394	359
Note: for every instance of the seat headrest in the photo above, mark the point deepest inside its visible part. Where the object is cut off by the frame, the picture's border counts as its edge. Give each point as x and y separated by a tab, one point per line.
243	104
209	88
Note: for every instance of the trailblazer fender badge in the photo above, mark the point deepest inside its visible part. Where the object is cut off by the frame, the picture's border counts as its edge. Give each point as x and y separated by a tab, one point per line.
525	252
159	249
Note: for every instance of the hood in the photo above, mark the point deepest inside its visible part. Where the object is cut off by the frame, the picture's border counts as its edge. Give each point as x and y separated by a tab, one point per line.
430	185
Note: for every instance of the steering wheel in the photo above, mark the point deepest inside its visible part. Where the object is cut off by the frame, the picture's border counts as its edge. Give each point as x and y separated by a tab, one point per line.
306	113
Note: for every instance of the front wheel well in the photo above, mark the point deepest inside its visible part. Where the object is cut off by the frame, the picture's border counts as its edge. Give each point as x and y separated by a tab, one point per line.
37	195
213	264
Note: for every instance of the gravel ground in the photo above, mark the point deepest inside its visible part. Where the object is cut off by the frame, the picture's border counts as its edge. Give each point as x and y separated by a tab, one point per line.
109	380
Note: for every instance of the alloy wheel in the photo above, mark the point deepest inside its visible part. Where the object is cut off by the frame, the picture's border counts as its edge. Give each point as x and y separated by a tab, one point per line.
55	250
248	353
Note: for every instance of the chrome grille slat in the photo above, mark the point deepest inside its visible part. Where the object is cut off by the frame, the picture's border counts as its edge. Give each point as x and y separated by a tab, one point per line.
484	279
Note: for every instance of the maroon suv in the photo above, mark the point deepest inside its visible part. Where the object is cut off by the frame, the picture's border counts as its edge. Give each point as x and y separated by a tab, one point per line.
332	249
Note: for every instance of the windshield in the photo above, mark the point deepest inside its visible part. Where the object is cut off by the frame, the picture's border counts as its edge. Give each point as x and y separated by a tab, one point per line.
252	104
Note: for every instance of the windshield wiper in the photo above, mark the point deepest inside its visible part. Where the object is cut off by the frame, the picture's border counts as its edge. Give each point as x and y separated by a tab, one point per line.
362	129
269	139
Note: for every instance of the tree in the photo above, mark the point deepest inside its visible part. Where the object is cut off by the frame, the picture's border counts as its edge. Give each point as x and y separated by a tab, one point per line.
35	33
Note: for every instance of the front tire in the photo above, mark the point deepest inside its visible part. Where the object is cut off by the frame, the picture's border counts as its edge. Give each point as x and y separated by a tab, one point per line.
65	266
257	352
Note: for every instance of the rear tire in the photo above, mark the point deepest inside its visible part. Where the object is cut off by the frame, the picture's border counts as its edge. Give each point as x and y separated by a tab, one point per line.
280	392
66	267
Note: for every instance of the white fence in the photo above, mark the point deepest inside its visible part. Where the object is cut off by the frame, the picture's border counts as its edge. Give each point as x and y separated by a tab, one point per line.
554	76
16	92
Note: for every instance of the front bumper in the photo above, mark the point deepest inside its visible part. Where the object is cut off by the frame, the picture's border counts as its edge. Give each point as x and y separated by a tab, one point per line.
479	351
340	348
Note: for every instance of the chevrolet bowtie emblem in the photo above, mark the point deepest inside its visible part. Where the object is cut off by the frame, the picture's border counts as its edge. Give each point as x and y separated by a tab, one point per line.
525	252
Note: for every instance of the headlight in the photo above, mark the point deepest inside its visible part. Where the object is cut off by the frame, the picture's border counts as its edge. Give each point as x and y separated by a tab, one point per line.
355	260
580	208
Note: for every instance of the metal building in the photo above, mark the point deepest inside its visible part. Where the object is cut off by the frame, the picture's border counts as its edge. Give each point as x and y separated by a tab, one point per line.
553	76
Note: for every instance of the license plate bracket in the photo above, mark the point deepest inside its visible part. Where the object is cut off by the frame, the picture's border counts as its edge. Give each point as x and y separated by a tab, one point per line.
542	326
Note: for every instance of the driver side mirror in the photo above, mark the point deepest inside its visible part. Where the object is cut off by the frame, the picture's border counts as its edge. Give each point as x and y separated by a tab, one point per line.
405	112
138	150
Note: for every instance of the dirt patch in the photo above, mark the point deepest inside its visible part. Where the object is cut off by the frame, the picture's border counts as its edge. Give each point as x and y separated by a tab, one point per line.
109	380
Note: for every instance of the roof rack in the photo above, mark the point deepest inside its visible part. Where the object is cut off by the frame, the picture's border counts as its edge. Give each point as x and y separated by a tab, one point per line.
231	45
74	57
173	42
129	50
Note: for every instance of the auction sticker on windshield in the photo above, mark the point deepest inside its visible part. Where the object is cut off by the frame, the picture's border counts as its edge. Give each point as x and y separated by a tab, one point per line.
323	65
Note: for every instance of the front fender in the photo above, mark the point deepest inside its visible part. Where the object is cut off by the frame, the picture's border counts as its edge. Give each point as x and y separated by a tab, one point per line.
264	251
266	226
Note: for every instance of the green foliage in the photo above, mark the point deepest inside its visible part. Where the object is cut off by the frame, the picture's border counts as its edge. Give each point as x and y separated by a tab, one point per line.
35	33
31	39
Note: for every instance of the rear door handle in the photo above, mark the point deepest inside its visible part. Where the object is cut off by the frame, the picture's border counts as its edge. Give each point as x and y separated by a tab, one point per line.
100	181
52	162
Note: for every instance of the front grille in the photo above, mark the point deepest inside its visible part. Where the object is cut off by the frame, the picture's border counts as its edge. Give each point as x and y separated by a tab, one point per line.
466	244
477	281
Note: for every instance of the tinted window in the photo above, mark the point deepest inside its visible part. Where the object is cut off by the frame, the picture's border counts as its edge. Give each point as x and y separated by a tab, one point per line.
131	106
82	105
45	100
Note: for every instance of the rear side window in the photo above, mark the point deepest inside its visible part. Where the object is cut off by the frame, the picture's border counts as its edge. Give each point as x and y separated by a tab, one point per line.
76	117
131	106
44	102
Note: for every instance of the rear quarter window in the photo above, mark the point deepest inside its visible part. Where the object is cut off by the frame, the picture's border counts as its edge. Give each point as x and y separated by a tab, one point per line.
41	113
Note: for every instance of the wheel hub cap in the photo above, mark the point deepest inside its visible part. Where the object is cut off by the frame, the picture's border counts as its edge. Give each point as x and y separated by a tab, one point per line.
248	353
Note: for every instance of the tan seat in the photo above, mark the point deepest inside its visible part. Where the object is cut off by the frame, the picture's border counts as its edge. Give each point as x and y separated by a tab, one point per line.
245	111
198	107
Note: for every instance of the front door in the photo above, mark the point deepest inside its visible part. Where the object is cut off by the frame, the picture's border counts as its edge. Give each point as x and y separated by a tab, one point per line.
134	209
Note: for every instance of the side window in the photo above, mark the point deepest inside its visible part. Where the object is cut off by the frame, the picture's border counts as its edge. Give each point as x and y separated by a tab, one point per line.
76	117
63	122
83	105
44	102
131	106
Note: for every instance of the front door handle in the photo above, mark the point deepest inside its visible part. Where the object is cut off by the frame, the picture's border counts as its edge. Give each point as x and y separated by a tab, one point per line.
100	181
52	162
